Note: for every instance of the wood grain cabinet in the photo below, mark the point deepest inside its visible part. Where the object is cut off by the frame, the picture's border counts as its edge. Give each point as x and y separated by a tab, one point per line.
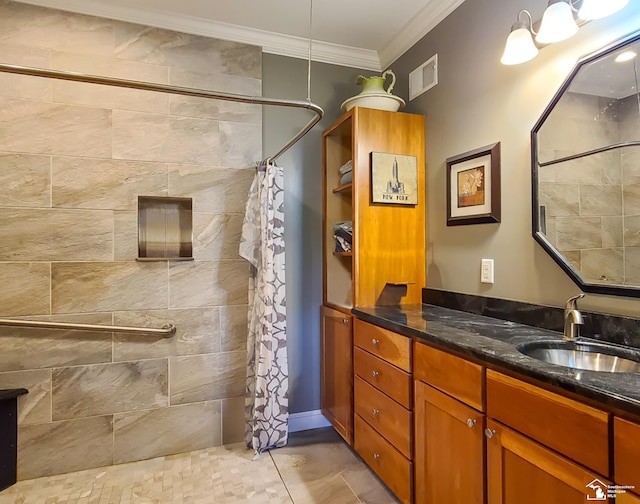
521	471
543	447
627	498
484	437
336	374
575	430
626	451
449	428
383	399
386	263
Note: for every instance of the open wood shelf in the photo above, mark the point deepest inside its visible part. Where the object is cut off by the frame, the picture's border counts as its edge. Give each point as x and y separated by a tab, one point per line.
343	188
343	254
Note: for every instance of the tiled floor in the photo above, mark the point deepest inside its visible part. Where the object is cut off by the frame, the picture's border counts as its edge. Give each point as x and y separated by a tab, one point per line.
316	467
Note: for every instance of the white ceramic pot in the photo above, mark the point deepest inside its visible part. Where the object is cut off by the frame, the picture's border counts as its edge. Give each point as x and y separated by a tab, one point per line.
380	101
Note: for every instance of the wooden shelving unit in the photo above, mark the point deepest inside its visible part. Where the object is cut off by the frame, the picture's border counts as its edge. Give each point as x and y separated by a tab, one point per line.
388	239
388	249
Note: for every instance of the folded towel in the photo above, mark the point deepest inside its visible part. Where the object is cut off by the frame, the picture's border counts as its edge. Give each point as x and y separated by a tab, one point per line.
342	245
343	235
346	178
347	167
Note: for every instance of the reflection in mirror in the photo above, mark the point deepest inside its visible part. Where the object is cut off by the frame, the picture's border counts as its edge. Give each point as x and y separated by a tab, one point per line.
586	172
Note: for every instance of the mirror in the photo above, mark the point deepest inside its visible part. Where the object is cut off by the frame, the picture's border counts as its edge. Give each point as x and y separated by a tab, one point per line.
586	172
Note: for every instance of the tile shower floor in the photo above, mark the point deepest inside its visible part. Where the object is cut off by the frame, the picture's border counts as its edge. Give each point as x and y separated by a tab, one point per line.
316	467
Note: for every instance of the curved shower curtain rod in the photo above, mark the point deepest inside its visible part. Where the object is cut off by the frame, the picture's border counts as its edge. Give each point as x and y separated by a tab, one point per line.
185	91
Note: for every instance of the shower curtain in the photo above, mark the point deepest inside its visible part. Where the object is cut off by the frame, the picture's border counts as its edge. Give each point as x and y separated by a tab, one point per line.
262	244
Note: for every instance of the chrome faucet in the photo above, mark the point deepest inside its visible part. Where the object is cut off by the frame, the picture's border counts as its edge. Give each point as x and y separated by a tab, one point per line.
572	318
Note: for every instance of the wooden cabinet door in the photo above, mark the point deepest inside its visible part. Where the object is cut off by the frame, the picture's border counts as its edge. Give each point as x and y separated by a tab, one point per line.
520	471
626	450
627	498
449	449
336	371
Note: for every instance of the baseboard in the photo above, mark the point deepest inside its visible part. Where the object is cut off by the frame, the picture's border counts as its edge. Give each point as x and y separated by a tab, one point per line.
307	420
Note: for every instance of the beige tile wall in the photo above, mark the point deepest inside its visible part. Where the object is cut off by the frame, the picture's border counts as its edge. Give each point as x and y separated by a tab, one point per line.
73	159
584	197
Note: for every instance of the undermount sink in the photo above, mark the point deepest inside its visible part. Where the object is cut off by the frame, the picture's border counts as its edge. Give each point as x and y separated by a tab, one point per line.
584	355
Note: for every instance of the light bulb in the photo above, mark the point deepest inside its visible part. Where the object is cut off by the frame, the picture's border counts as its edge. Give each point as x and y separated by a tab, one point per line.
519	46
596	9
557	23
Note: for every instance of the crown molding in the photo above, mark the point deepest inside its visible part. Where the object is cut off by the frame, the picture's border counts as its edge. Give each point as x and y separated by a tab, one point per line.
273	43
421	24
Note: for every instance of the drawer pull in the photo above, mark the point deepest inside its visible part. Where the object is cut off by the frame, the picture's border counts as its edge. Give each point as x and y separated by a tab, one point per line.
375	342
345	321
376	456
375	412
375	374
471	423
489	433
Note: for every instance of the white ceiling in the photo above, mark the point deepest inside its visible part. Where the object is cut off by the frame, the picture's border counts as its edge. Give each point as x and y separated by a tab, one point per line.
368	34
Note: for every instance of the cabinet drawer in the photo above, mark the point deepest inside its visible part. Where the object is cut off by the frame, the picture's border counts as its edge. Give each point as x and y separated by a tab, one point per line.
626	453
389	379
450	374
387	462
384	415
574	429
387	345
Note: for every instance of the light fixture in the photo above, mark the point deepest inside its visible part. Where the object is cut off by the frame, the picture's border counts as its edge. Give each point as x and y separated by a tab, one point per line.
557	23
519	47
596	9
625	56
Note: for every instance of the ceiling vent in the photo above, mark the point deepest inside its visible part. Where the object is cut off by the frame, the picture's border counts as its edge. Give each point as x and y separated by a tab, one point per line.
424	77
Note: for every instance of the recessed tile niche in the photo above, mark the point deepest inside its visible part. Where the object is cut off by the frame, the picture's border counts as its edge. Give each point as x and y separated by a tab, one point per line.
165	229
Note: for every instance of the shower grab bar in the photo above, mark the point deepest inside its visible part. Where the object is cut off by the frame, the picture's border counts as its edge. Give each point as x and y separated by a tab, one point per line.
179	90
166	331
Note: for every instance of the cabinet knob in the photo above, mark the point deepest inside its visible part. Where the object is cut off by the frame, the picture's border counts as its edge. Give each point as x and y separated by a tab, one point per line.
345	321
376	456
375	374
375	412
489	433
471	423
375	341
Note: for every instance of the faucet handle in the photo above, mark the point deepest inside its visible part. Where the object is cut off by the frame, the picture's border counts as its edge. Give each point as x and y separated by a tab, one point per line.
572	303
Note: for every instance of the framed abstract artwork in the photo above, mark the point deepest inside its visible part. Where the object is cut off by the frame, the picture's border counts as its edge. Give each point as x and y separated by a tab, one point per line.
473	186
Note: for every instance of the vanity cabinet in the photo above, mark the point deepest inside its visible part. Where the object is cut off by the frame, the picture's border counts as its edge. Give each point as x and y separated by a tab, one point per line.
336	374
522	471
383	403
484	437
449	425
564	425
542	447
626	451
627	498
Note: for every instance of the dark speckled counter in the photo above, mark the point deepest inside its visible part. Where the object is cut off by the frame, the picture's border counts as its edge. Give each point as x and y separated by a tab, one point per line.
494	341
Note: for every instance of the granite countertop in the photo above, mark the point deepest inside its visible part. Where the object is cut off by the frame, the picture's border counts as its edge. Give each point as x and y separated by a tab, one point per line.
6	394
494	342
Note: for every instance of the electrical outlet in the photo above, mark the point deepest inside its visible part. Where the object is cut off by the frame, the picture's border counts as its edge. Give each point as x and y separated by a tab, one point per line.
486	271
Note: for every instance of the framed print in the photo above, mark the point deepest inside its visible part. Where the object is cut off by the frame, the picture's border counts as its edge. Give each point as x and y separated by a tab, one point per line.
473	186
394	179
